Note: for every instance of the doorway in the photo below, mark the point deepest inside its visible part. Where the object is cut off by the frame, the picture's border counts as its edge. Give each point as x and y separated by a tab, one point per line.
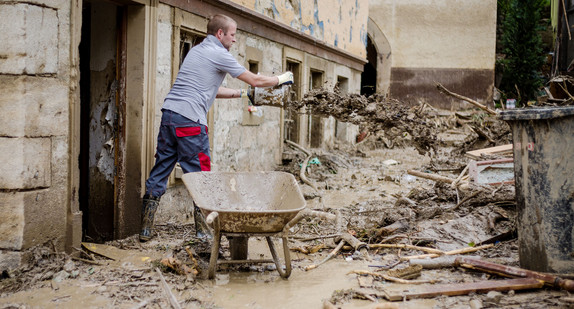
102	101
369	75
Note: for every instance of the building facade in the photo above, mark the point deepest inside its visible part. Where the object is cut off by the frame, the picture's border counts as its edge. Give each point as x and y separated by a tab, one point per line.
82	86
414	44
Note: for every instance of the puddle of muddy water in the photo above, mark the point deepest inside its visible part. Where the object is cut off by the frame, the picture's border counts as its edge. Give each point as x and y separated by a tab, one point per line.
302	289
66	296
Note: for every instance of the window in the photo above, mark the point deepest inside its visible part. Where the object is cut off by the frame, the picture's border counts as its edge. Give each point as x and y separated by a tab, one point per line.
188	39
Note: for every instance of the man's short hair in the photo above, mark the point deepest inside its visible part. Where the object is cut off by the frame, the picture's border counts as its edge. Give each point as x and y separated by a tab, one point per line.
219	21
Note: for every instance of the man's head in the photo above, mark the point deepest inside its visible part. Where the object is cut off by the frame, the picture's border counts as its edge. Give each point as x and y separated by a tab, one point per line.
223	28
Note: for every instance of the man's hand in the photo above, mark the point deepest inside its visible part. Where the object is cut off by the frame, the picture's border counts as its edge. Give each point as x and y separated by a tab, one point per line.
247	93
285	78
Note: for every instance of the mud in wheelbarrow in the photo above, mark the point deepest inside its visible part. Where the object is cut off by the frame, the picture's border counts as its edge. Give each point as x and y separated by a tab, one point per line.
244	204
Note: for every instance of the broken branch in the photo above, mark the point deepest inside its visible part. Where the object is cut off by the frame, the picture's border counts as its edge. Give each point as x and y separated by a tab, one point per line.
452	252
329	256
405	246
442	89
389	278
172	300
433	177
304	165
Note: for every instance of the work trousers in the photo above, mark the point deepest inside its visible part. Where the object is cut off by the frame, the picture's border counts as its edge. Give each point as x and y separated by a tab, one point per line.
179	140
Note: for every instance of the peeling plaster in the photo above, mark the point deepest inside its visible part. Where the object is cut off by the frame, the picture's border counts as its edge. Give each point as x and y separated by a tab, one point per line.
335	22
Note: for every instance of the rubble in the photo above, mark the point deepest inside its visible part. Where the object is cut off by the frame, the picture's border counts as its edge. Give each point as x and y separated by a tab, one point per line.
403	194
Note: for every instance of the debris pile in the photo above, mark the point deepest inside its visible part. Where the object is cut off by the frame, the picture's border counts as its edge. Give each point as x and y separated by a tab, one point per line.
373	114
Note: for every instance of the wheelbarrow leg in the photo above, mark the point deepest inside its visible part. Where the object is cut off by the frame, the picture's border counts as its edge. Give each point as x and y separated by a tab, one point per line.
283	273
214	221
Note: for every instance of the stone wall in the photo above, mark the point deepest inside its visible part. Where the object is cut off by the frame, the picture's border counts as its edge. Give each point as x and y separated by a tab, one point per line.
34	126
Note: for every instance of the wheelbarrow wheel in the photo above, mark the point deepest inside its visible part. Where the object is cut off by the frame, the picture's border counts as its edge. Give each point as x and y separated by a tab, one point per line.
283	273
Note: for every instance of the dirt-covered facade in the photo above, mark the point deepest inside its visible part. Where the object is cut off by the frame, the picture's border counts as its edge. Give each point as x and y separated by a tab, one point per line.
83	82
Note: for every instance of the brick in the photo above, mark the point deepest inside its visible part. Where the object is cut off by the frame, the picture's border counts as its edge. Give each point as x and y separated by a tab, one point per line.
30	39
25	163
33	106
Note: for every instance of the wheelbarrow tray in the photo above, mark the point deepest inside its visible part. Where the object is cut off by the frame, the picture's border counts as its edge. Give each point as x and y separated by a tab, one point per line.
247	202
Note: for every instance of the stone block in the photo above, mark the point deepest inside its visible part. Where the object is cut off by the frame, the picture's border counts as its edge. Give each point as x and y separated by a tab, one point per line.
31	218
12	223
26	163
12	260
33	106
30	39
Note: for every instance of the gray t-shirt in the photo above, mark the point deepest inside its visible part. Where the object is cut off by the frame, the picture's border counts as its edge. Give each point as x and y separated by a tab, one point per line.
199	78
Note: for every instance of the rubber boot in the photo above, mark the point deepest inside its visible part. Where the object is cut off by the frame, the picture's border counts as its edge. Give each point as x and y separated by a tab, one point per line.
149	207
201	228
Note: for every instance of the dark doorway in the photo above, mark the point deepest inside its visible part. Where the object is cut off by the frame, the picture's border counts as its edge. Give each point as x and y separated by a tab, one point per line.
316	125
369	75
100	116
291	121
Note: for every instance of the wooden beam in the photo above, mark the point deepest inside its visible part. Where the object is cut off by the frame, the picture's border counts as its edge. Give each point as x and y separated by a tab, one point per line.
454	289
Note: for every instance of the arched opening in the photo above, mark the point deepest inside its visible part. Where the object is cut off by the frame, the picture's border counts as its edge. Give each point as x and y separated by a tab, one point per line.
369	75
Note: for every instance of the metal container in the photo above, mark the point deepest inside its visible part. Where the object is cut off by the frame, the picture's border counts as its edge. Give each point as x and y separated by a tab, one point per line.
543	142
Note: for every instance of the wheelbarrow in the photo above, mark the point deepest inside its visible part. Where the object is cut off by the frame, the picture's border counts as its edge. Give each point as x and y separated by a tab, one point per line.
246	204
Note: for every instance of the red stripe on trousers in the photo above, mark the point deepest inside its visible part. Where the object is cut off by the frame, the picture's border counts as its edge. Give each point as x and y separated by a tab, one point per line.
187	131
204	162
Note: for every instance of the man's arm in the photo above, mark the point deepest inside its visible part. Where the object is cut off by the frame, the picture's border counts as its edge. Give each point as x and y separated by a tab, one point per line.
228	93
258	80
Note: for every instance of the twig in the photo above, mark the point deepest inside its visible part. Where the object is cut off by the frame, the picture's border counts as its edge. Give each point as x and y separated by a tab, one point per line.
566	20
431	176
190	253
329	256
172	300
141	304
86	261
389	278
466	198
304	165
442	89
405	246
452	252
457	180
306	238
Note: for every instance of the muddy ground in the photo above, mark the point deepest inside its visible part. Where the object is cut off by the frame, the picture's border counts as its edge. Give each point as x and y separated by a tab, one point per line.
380	203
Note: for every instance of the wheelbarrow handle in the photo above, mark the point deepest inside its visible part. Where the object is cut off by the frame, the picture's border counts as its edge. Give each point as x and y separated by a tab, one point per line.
211	218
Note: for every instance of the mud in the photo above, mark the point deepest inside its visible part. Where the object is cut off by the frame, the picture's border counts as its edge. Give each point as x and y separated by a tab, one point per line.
379	201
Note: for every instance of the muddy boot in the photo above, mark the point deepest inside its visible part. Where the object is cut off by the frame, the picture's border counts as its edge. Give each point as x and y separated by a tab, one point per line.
201	228
149	208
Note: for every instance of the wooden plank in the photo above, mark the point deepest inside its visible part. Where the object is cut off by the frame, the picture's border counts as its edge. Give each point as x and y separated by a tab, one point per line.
503	149
454	289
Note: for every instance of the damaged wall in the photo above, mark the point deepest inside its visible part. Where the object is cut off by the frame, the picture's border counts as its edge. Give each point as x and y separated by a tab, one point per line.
340	23
35	195
446	41
239	143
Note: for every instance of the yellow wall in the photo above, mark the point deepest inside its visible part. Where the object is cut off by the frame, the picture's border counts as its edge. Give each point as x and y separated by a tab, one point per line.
438	33
338	23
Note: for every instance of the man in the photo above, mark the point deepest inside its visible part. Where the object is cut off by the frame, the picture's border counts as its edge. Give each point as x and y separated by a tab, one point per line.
183	131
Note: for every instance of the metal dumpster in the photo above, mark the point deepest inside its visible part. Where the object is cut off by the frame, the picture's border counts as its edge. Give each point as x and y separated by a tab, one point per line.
543	140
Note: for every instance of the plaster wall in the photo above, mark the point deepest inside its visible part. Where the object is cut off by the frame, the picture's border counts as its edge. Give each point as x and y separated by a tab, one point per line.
446	41
438	33
35	77
339	23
